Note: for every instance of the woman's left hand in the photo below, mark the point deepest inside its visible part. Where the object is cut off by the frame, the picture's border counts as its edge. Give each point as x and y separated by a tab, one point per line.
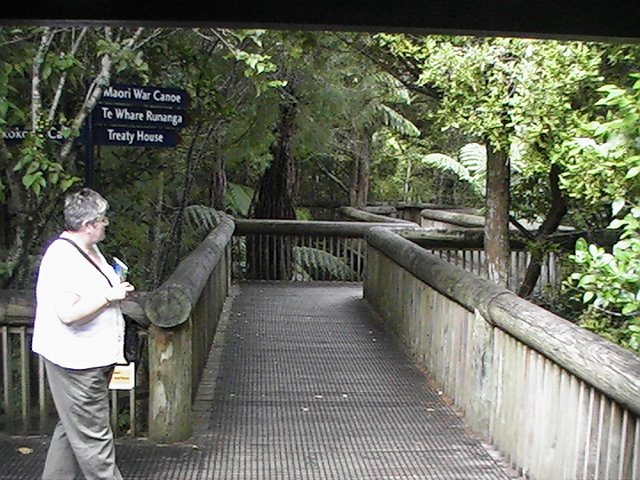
119	291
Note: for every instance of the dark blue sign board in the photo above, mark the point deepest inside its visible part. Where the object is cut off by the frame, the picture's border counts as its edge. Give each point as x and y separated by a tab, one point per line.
139	117
135	137
120	94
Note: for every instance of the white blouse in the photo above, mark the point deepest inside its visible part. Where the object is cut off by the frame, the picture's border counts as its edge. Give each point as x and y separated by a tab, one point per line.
96	343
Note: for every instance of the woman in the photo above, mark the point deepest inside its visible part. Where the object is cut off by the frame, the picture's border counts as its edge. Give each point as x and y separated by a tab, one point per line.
79	332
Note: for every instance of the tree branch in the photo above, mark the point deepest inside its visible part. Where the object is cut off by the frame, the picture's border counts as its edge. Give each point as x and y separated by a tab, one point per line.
331	176
521	228
93	95
36	97
556	213
63	78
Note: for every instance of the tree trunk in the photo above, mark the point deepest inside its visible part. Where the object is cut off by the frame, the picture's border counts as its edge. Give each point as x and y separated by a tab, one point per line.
29	217
496	230
156	235
353	184
359	195
363	170
218	184
172	251
557	211
276	199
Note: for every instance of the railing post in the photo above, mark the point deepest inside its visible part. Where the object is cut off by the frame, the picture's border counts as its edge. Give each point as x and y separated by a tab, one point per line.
170	383
177	311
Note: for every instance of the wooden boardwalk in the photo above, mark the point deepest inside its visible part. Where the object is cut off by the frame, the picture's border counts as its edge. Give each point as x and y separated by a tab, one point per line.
302	384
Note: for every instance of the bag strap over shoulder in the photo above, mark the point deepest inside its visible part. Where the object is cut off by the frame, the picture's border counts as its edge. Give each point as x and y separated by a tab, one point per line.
84	254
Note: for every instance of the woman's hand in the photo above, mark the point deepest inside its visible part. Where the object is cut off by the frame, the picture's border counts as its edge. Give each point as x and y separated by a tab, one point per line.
119	292
73	310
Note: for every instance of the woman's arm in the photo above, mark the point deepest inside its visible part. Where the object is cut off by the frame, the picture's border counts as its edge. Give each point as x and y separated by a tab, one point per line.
72	309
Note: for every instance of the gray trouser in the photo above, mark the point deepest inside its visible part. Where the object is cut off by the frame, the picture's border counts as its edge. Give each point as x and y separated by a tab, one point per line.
82	440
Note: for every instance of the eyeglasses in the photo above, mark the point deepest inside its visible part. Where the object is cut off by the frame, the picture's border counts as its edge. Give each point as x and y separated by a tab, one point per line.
104	220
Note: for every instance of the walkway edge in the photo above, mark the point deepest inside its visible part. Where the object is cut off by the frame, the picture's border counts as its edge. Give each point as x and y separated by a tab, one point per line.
201	408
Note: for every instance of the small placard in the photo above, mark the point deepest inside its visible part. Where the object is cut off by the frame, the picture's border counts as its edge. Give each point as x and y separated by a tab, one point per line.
123	377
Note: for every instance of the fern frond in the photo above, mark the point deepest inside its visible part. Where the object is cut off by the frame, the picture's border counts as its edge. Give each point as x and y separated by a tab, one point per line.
398	122
474	158
202	217
470	170
318	264
239	198
446	163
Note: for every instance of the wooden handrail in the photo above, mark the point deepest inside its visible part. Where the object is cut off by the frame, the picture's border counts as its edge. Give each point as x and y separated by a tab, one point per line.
606	366
297	227
18	307
362	215
455	218
171	304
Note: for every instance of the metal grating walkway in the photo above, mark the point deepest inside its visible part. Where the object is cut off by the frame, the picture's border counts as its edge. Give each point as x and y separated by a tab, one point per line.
302	384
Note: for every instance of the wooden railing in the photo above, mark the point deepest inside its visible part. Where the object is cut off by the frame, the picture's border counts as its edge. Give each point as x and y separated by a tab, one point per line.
557	400
262	249
183	314
18	383
465	249
27	406
301	250
457	237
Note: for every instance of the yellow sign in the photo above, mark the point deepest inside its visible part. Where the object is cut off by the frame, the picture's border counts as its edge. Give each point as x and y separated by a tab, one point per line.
123	377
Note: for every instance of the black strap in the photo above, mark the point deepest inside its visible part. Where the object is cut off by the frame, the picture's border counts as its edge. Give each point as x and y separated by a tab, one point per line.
85	255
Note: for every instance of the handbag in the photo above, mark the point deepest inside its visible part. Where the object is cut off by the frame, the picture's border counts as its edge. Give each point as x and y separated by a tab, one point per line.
132	349
132	341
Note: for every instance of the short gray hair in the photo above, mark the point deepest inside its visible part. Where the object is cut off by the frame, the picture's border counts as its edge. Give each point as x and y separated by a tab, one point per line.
83	206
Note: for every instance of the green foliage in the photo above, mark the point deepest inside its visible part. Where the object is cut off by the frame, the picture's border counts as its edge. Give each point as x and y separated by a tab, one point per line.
239	199
124	55
609	282
258	65
470	166
604	163
396	121
303	214
37	166
519	96
534	99
409	172
314	263
202	217
624	333
347	105
43	82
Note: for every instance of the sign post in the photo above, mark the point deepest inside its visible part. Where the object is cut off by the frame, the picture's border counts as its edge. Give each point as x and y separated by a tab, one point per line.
135	116
89	169
125	116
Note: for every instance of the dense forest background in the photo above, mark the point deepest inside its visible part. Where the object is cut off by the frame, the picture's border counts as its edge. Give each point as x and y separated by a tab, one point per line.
289	124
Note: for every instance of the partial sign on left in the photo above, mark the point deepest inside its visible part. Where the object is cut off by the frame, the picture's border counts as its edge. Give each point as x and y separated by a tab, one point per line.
18	134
